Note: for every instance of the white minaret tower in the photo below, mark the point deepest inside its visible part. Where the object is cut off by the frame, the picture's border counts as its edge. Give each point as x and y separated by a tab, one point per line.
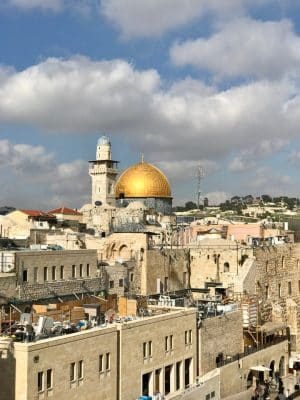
103	172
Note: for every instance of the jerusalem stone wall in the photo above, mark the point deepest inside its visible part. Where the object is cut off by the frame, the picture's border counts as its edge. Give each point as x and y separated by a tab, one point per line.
233	376
47	290
221	334
7	285
278	287
219	260
172	264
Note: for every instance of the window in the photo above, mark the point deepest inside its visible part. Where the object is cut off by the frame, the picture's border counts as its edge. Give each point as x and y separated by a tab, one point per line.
213	395
226	266
279	289
87	269
62	274
45	273
80	369
25	275
147	349
171	342
121	283
80	270
267	292
72	371
107	364
166	284
40	381
101	366
53	275
131	276
49	379
35	274
298	286
111	284
150	348
289	288
168	343
73	271
188	337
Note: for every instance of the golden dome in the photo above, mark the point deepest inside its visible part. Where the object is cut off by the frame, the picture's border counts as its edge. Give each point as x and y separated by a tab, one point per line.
142	180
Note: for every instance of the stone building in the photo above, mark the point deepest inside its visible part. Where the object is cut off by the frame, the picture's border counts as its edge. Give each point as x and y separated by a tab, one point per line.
39	275
278	287
118	362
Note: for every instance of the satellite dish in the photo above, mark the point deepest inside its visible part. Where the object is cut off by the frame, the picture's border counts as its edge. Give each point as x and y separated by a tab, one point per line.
98	203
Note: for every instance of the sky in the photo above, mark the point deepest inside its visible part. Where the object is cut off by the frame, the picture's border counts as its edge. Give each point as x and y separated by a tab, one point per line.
186	82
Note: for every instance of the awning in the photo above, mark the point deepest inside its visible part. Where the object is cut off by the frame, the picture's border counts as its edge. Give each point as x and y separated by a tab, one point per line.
260	368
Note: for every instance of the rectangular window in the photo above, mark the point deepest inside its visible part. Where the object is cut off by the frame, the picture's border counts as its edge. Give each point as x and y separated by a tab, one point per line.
166	343
145	349
171	342
45	273
207	397
166	284
131	276
279	290
101	366
150	348
212	395
72	371
80	270
53	273
121	283
188	337
49	378
80	369
25	275
35	274
178	378
62	272
40	381
73	271
289	288
87	269
267	292
107	365
111	284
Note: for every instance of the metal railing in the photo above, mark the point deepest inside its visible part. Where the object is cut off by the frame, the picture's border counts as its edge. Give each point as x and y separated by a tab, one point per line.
251	350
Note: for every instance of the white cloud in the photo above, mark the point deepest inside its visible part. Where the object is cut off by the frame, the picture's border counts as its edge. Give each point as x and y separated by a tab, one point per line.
151	18
268	180
248	158
215	198
37	173
243	47
187	122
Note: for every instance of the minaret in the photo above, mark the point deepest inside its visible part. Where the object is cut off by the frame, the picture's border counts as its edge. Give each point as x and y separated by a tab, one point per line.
103	172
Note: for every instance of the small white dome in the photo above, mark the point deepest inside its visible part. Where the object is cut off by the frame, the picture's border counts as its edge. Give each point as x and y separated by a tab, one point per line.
103	140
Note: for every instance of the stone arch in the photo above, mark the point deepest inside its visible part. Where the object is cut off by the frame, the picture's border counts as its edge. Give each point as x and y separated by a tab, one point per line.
124	252
281	366
250	379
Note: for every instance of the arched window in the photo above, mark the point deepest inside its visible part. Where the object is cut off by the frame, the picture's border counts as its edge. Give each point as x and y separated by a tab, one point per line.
226	266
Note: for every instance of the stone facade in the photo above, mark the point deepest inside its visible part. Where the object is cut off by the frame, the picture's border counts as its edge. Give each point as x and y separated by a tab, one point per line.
50	274
234	377
119	361
218	260
227	332
278	287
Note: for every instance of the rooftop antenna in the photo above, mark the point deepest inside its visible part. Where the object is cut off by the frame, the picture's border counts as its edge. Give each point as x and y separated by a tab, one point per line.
200	176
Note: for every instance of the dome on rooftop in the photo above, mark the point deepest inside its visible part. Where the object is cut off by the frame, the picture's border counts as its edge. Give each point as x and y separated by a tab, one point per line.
103	140
143	180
